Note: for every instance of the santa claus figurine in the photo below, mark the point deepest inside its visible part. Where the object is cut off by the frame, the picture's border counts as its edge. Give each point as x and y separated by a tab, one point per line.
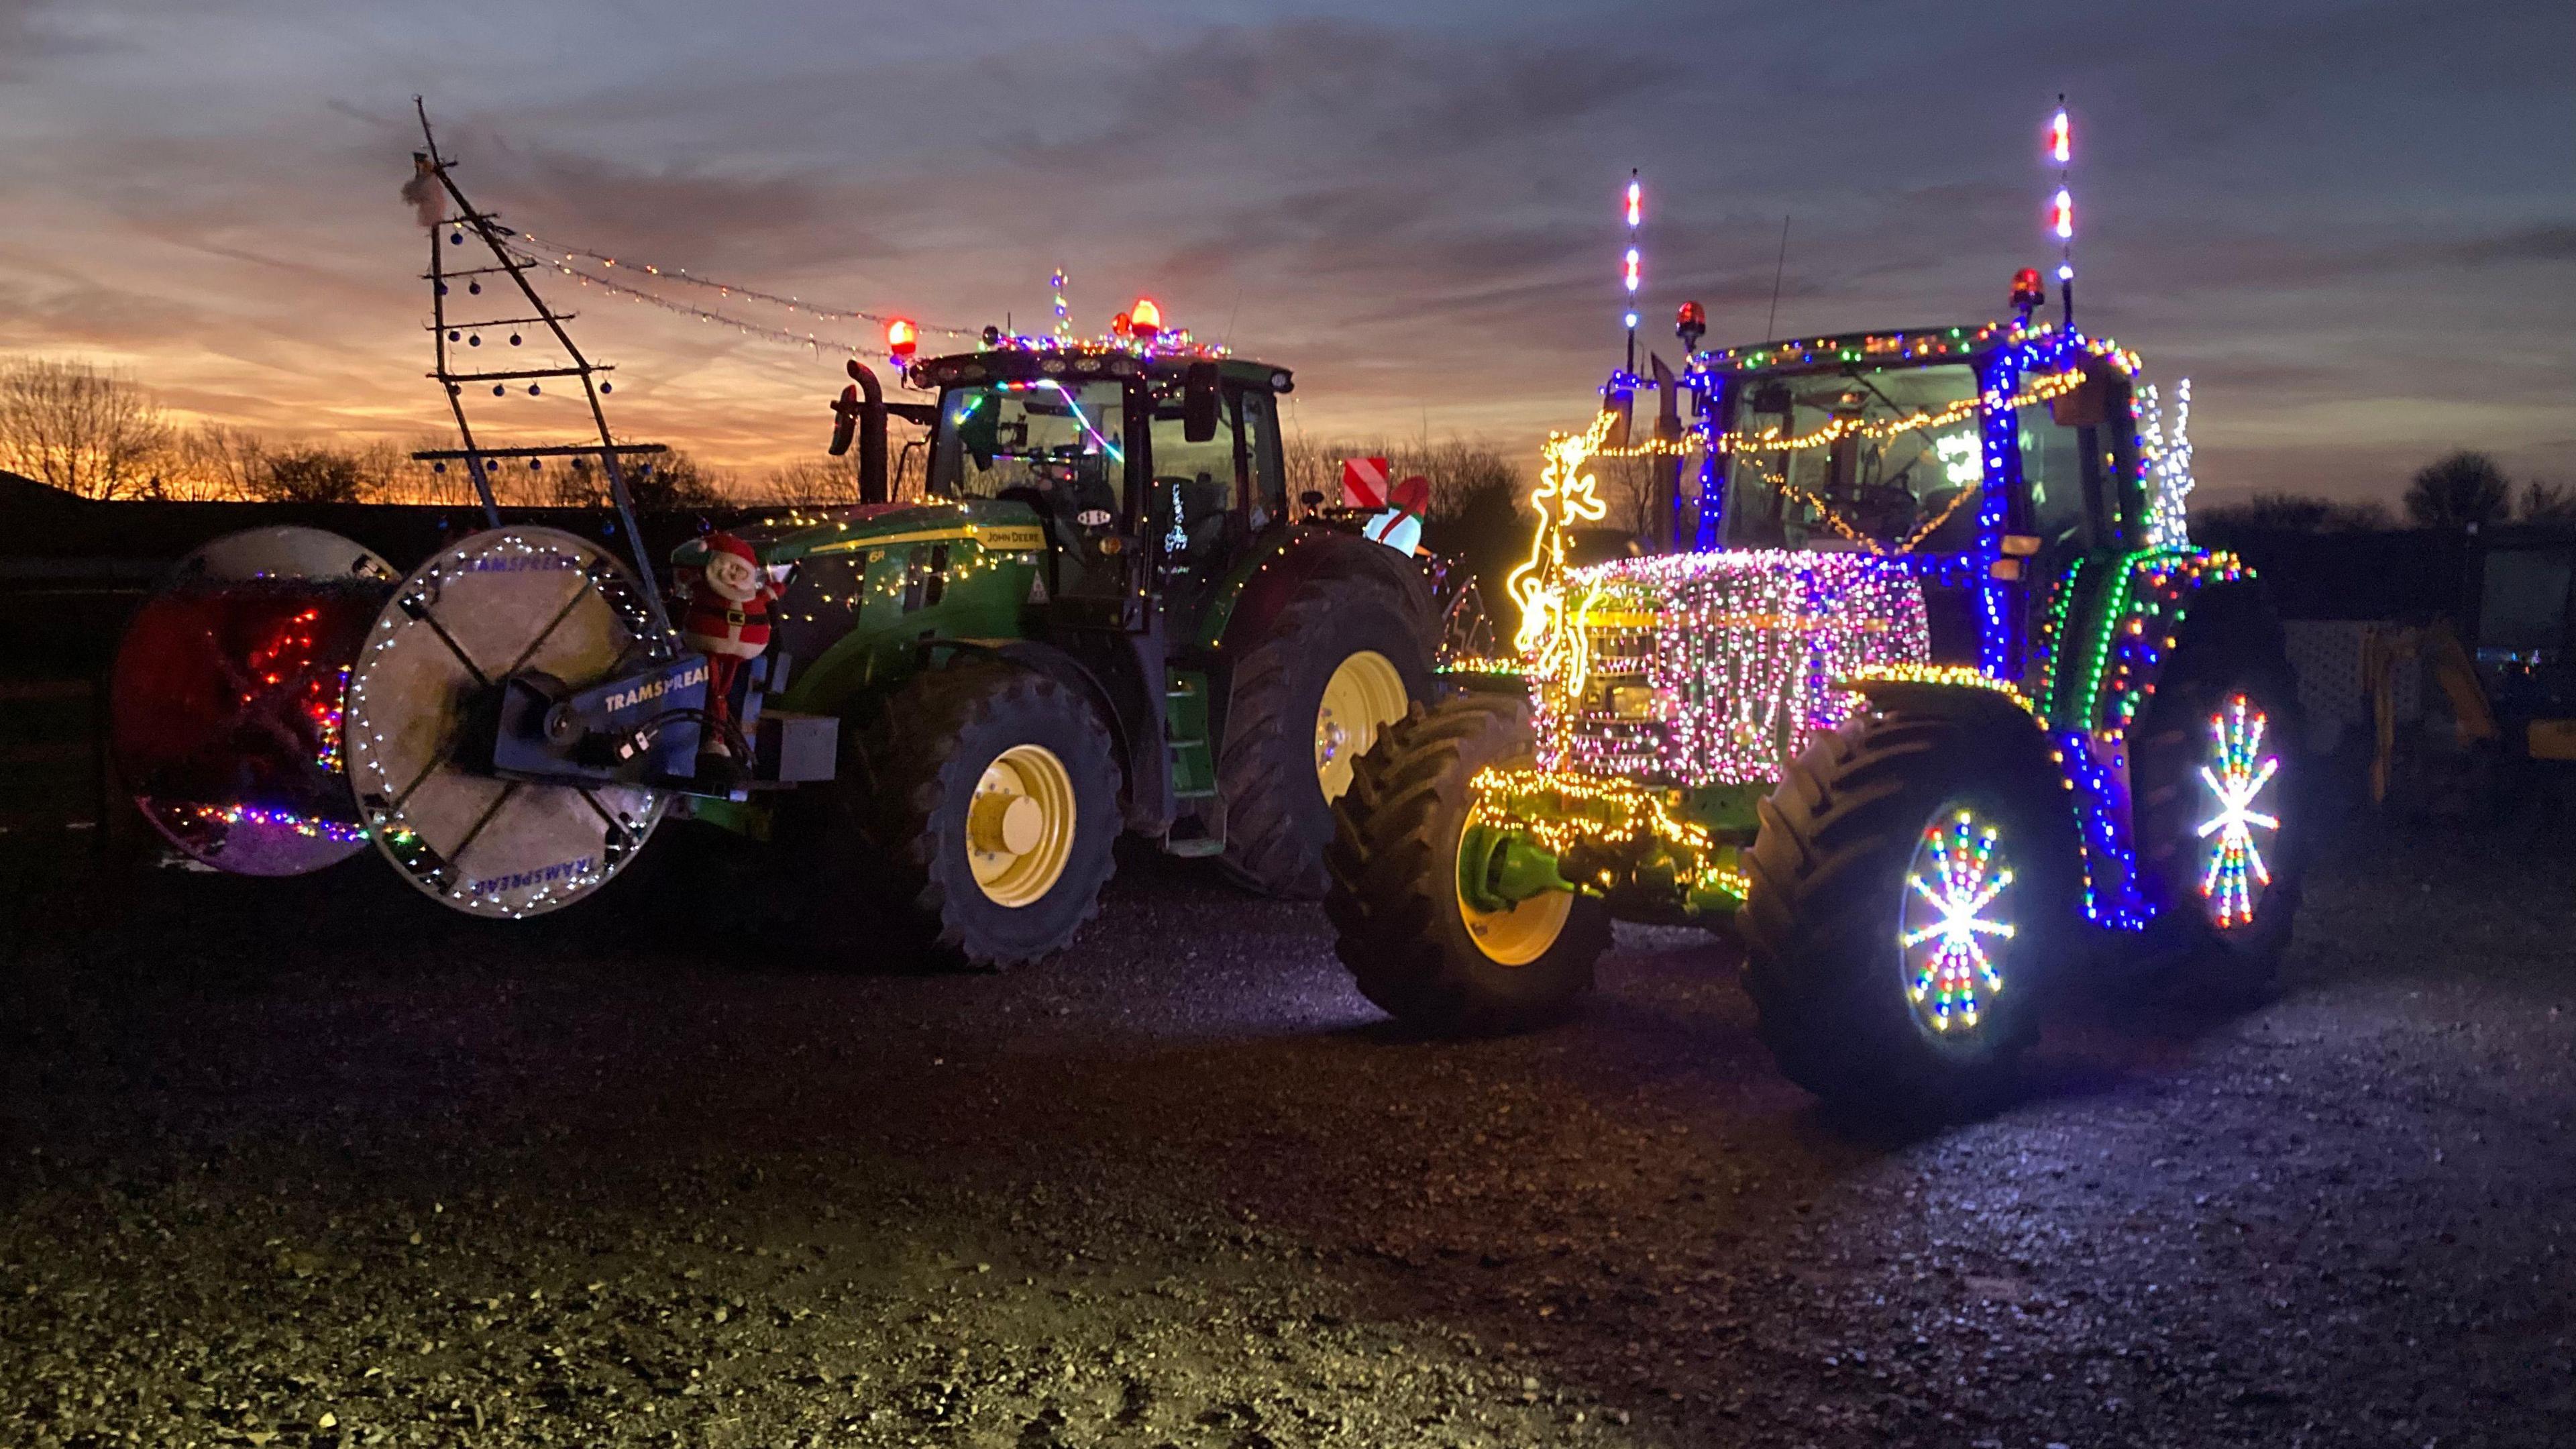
727	621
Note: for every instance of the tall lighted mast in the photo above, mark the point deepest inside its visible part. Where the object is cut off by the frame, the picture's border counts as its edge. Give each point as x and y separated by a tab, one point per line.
1628	276
2061	210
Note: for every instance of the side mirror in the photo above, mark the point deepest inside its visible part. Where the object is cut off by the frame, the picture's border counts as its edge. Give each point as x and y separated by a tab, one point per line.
1202	395
2088	406
845	420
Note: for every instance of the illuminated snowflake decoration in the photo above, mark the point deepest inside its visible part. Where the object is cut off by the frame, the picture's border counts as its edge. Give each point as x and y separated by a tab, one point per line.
1955	880
2236	869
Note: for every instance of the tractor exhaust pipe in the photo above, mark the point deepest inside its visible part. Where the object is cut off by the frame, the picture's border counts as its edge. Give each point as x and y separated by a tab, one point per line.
861	409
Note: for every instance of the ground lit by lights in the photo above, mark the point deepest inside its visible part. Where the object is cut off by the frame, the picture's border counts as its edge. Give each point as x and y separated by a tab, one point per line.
2235	862
1950	975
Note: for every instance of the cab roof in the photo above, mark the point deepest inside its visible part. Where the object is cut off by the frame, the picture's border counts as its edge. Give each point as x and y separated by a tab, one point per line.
1905	344
1090	360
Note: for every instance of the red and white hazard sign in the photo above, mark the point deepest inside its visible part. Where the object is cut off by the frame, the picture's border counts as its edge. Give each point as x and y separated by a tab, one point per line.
1363	482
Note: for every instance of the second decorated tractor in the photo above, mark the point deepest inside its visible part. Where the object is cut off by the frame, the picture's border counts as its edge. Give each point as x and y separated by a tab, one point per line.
1925	694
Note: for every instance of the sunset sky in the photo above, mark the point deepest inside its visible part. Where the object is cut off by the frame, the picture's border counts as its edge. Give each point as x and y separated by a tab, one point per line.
2353	225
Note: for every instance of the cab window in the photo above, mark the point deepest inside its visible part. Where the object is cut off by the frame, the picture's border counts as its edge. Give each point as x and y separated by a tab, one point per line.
2074	451
1065	442
2052	473
1261	446
1191	502
1860	459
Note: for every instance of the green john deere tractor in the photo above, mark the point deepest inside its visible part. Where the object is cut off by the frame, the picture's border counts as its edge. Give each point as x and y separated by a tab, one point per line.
1103	614
1922	691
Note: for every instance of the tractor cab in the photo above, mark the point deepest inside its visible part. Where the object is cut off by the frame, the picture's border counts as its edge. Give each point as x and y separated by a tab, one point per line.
1989	457
1152	474
1901	501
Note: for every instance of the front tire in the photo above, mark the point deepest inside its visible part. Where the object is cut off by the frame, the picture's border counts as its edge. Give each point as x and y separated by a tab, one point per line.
1414	944
1341	662
985	813
1910	889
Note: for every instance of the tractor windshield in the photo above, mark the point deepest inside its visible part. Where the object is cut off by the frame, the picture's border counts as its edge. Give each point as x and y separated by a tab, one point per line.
1064	440
1863	458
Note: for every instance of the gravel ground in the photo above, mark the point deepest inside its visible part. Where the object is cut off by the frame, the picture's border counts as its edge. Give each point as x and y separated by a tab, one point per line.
313	1163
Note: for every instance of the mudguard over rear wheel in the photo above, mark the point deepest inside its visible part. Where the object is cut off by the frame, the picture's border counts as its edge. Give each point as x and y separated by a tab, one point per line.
1911	884
1413	942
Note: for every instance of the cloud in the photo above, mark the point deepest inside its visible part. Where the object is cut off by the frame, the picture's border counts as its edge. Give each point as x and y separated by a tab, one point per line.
32	33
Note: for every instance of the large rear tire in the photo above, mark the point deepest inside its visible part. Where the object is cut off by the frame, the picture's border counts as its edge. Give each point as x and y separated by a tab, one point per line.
981	813
1413	943
1911	888
2222	827
1340	663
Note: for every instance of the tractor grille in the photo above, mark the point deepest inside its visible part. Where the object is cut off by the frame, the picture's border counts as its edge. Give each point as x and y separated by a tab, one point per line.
1621	727
1711	669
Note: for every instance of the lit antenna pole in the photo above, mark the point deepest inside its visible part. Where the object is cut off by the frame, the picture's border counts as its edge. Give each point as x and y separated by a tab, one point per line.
1063	318
1636	218
2061	211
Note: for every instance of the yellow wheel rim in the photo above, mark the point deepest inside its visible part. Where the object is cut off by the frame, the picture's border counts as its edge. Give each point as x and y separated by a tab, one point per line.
1364	694
1519	933
1019	826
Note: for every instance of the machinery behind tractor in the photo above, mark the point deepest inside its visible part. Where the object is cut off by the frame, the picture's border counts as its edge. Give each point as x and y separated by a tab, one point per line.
1922	690
2503	726
1103	612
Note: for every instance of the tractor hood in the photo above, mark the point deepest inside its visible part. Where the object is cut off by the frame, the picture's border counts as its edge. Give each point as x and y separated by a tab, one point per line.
993	524
1714	668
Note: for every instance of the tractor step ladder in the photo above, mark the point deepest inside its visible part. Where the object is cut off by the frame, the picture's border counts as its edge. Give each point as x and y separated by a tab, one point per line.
1199	829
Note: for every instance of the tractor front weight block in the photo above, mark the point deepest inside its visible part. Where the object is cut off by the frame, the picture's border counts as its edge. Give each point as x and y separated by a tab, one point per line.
1645	850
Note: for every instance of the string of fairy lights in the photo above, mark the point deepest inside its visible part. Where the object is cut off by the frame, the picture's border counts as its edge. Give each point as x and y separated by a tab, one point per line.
567	252
1139	329
590	281
1559	811
1700	669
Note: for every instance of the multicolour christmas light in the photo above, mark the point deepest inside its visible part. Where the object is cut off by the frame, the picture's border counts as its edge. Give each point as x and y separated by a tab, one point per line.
311	827
2094	702
1712	668
2236	865
1951	970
